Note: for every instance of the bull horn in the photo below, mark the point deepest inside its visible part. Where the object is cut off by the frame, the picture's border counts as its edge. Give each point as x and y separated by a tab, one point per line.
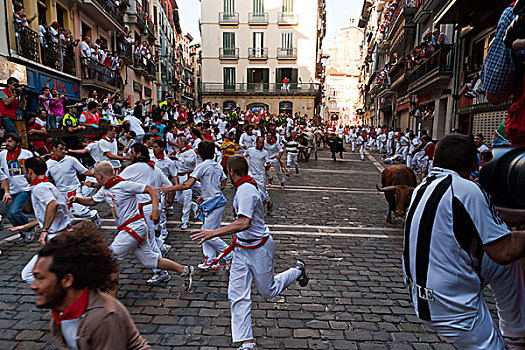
386	189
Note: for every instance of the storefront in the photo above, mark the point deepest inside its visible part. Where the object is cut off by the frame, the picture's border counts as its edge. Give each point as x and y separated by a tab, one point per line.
36	80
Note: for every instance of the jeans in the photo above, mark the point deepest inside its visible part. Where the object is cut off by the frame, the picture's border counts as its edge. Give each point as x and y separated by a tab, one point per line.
9	125
51	122
14	209
500	141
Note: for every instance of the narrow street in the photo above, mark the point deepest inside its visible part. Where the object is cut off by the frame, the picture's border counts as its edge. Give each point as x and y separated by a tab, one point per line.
330	215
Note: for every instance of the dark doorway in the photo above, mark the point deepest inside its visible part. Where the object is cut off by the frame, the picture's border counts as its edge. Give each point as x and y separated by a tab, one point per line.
258	79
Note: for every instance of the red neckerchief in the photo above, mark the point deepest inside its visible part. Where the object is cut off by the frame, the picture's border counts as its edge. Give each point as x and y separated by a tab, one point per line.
151	164
13	156
75	310
160	156
513	3
105	138
113	181
39	179
55	158
272	142
245	179
186	149
208	137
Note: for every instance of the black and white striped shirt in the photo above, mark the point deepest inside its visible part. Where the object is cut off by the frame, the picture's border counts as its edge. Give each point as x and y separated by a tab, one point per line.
448	222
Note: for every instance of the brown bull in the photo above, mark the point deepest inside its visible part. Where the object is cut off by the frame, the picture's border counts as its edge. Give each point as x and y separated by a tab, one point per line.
398	183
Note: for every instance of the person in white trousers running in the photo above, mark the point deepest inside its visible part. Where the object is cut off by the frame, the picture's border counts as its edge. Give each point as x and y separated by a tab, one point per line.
253	258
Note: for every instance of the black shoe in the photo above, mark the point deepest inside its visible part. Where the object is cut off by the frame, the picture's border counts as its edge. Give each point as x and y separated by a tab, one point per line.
288	175
296	170
21	239
303	278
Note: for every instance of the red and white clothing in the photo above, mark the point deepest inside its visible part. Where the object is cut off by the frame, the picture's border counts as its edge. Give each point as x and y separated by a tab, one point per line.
111	146
274	148
42	193
257	160
65	174
12	164
186	161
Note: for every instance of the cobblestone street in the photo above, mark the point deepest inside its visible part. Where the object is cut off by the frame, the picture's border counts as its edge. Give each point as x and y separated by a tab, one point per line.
330	215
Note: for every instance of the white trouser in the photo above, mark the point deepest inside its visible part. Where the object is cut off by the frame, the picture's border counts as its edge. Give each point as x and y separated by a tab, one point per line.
371	144
389	146
210	248
410	159
154	242
277	167
249	264
163	221
291	158
27	271
88	191
353	145
124	244
378	145
185	199
508	287
261	184
80	210
403	150
362	151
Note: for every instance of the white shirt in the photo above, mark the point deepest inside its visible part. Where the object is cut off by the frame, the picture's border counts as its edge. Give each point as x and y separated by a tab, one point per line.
166	165
210	175
85	50
170	138
458	208
186	161
256	160
145	174
273	149
247	140
44	193
94	151
69	329
15	171
123	200
64	172
111	147
483	148
221	124
135	124
248	202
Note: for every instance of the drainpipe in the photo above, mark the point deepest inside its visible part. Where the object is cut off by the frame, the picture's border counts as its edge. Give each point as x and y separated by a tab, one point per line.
7	31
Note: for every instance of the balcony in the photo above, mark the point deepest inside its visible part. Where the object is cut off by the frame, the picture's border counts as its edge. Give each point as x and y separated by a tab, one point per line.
229	53
125	51
28	46
257	53
99	73
258	88
110	16
287	19
258	19
437	67
145	21
404	9
397	74
144	67
229	18
286	53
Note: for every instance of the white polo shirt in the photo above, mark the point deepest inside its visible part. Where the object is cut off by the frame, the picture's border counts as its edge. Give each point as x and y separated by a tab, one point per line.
106	145
186	161
248	202
247	140
95	152
44	193
145	174
122	198
166	165
210	174
273	149
15	171
135	124
64	172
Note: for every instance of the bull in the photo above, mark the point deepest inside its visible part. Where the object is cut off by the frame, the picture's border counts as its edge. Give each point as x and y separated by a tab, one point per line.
398	183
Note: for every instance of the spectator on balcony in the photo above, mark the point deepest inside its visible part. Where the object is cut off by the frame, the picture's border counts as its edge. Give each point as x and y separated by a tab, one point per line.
43	32
85	55
21	20
92	96
54	31
439	38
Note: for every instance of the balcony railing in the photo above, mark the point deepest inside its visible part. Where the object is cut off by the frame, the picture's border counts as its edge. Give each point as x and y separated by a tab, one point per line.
228	17
28	44
289	18
256	18
125	50
397	71
69	63
257	53
98	71
278	88
51	56
144	66
113	10
442	60
229	52
287	53
401	7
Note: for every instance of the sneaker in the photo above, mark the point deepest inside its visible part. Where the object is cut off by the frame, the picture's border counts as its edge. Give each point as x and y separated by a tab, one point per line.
204	266
158	278
269	208
303	278
282	185
247	346
21	239
194	209
288	174
29	237
185	226
96	221
187	276
165	248
296	169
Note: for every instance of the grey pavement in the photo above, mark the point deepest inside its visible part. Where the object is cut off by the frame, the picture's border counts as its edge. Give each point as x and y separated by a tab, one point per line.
330	215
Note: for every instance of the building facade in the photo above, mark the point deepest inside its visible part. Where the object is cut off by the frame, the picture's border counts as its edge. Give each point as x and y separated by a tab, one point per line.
424	93
342	75
249	48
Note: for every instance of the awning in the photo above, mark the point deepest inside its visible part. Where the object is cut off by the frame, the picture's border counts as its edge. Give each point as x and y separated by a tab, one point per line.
482	13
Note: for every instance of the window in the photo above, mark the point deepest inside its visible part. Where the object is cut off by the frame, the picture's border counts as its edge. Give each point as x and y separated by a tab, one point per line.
287	6
228	43
229	78
258	44
258	6
287	44
229	6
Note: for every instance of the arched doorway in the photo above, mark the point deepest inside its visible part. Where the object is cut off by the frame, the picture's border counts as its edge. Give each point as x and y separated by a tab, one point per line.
258	106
